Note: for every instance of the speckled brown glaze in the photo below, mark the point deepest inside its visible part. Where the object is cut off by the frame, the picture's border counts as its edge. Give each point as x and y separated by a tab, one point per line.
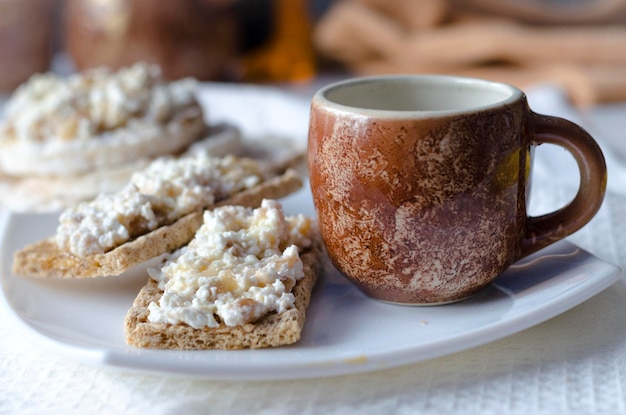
427	209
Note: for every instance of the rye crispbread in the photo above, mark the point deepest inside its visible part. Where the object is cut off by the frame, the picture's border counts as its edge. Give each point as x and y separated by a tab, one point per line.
272	330
44	259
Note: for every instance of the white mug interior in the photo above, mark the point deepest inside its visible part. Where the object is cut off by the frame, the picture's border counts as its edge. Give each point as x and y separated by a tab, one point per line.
417	94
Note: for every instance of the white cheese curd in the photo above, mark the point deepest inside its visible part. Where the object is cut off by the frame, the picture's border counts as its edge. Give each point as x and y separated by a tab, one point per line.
51	108
56	125
242	264
166	190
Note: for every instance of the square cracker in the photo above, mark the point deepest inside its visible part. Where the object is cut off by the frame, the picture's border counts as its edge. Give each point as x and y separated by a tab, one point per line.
270	331
44	259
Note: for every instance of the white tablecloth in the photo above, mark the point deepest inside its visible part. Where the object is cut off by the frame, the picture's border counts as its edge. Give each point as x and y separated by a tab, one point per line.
572	364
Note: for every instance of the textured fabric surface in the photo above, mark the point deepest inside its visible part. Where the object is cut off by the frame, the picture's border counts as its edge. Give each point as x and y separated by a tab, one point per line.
574	363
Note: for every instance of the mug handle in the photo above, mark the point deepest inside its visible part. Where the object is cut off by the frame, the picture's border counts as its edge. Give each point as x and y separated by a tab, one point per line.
544	230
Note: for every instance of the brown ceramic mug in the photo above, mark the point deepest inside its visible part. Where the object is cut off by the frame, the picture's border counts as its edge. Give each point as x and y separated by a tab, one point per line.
420	182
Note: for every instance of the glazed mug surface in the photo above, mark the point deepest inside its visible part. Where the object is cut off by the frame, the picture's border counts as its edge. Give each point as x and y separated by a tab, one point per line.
420	182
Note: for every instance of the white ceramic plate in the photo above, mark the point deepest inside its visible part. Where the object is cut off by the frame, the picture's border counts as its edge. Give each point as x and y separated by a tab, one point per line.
345	331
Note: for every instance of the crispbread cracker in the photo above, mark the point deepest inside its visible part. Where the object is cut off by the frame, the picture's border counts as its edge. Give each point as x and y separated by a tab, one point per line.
271	331
44	259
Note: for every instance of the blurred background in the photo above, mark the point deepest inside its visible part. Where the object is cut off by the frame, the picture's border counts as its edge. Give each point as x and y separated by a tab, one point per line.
579	45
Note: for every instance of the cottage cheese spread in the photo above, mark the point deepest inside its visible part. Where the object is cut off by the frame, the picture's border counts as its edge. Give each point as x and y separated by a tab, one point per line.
98	118
166	190
241	265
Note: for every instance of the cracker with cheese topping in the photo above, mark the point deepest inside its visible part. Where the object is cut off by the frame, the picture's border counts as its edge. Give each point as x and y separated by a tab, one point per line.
66	139
244	281
158	211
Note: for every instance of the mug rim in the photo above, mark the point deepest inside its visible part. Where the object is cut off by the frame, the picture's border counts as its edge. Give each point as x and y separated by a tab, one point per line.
321	96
